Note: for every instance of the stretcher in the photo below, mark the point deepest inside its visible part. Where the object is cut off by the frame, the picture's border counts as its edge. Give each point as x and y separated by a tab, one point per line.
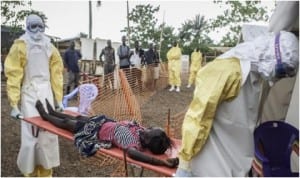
114	152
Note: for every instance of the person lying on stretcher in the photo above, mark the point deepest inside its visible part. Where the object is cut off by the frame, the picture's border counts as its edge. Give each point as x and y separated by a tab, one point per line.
92	133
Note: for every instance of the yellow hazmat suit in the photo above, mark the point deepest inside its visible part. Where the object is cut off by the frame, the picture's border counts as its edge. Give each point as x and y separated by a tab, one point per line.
199	117
196	61
34	71
174	66
15	64
217	132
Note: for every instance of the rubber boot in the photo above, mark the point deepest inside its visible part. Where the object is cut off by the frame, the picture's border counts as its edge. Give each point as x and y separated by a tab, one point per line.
42	172
172	88
33	174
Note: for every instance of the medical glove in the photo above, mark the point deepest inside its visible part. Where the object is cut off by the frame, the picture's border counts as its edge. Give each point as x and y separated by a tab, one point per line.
60	107
183	173
15	113
184	169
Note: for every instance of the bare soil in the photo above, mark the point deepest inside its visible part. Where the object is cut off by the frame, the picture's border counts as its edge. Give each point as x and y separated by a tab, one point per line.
154	111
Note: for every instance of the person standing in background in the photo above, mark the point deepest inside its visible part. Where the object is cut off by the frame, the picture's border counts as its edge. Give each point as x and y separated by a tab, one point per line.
174	67
150	59
136	61
34	71
196	61
71	58
156	66
124	54
109	63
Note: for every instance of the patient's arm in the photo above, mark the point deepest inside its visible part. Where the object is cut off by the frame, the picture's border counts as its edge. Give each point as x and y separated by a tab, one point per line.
140	156
64	123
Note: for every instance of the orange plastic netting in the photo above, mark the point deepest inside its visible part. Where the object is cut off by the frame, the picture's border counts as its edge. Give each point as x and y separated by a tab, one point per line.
120	96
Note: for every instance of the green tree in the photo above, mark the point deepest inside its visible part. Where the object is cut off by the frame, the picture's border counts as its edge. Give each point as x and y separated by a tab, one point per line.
236	13
168	37
143	28
142	25
13	13
193	34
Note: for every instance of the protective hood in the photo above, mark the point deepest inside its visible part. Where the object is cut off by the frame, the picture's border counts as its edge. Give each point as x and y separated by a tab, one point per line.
34	36
259	55
35	27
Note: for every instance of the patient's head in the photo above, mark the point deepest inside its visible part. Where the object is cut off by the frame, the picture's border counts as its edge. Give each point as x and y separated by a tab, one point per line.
156	140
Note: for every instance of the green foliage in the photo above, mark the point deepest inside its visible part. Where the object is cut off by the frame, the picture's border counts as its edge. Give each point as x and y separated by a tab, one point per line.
236	13
168	37
142	25
192	34
13	13
144	28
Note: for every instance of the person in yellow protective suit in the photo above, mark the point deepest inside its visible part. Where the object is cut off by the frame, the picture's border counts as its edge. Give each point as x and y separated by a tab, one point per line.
196	61
217	131
174	67
34	70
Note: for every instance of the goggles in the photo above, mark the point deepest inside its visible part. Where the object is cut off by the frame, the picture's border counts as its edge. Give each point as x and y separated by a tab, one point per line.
35	27
282	69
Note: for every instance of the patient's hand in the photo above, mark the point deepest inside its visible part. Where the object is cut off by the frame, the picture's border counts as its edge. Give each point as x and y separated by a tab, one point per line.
172	162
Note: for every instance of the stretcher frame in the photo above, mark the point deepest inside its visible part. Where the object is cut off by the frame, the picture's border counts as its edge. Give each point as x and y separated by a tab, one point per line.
115	152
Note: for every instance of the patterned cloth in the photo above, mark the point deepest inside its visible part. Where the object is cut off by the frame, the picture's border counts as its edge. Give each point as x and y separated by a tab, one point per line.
122	134
86	136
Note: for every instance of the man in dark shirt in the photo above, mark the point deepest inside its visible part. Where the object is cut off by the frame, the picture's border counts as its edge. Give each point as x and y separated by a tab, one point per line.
71	58
124	54
109	64
150	55
151	60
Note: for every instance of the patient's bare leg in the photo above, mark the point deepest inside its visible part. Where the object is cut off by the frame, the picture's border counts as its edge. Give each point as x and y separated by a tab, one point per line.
54	113
62	115
64	123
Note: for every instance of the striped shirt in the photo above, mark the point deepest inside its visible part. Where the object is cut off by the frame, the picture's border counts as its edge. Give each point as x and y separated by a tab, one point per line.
122	134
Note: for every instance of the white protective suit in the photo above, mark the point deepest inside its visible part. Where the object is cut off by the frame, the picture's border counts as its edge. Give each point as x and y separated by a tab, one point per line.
227	148
34	64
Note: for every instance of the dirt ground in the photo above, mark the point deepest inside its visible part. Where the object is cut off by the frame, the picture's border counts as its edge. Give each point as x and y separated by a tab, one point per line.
71	165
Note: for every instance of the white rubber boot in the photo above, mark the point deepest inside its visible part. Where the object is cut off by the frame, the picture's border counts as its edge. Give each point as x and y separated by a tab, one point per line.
188	86
177	89
172	88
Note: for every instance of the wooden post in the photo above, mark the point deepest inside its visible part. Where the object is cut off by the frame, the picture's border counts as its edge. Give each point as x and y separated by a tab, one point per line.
128	26
90	20
168	122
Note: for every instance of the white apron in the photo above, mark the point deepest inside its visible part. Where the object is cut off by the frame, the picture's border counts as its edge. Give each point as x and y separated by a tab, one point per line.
230	142
38	147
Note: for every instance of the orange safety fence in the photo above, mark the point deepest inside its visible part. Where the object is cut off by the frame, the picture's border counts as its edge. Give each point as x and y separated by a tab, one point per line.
121	95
